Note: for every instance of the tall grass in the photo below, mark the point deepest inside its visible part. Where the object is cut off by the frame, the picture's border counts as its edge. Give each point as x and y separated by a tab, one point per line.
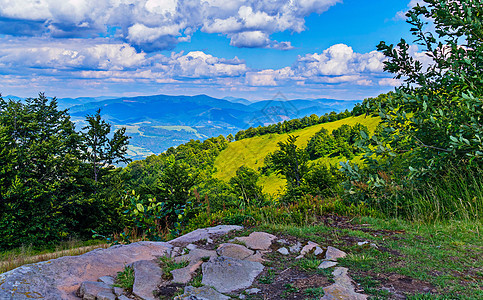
456	195
12	259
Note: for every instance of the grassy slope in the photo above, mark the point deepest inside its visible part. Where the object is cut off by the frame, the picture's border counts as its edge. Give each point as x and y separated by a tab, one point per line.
252	151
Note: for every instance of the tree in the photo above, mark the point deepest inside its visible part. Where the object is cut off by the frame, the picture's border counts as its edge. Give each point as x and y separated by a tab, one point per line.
437	114
431	125
101	151
322	180
39	171
245	185
290	161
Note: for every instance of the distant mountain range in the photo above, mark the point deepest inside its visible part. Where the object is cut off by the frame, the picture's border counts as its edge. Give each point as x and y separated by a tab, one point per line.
158	122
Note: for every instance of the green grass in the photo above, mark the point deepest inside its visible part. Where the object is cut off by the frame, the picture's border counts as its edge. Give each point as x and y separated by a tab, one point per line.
252	151
168	264
314	292
268	278
125	279
308	263
14	258
447	255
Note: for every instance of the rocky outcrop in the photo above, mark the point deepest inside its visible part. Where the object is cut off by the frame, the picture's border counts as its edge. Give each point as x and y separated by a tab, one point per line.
60	278
147	277
203	234
211	272
228	274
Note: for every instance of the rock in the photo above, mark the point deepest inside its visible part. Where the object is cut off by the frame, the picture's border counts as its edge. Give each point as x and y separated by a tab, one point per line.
334	253
118	291
185	274
253	291
342	287
362	243
309	247
234	251
203	234
257	240
89	290
60	278
175	251
257	257
209	241
227	274
106	296
109	280
195	257
327	264
191	247
201	293
283	251
318	251
242	296
295	248
282	242
147	277
123	297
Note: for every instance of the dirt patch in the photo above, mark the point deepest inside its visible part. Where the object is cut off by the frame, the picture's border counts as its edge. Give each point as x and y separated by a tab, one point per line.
291	283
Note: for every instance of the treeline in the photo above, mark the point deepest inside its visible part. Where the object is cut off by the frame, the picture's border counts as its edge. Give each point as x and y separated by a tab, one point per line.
368	106
55	182
291	125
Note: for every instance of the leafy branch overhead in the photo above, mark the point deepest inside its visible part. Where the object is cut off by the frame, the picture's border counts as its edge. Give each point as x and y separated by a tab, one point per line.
438	110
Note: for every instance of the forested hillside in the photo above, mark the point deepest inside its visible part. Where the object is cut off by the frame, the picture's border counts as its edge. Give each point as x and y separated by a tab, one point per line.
412	156
251	152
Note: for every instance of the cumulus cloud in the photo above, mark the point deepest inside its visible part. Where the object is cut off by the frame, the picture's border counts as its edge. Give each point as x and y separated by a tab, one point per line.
99	62
390	82
99	59
339	59
152	25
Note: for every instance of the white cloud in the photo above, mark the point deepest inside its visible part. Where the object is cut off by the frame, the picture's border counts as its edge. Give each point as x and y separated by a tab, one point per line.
250	39
160	24
339	59
390	82
99	59
97	62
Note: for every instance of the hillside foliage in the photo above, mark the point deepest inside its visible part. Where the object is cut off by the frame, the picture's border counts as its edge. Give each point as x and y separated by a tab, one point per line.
419	159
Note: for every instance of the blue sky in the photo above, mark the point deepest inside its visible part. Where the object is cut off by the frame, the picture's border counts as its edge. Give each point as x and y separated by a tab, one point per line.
242	48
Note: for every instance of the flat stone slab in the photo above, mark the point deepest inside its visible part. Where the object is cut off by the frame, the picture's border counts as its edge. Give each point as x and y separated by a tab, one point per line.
201	293
194	257
257	240
60	278
334	253
283	251
109	280
147	277
342	287
327	264
203	234
106	296
234	251
227	274
89	290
